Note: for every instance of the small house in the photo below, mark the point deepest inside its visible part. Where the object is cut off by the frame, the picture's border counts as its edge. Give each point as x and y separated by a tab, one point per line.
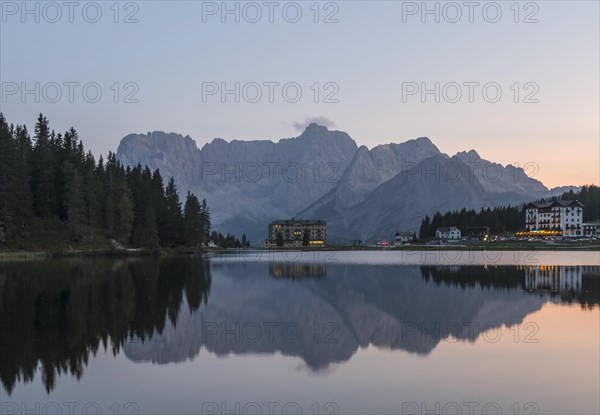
448	233
403	237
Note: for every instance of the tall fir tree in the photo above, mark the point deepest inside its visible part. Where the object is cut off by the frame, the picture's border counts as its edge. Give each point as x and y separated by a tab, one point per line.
171	229
193	221
206	224
7	171
22	190
43	175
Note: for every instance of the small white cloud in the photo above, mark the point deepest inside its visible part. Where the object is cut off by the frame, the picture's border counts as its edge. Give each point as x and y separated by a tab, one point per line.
319	119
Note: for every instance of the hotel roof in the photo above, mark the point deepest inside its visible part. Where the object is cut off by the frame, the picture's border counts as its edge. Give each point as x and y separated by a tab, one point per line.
554	203
299	222
447	229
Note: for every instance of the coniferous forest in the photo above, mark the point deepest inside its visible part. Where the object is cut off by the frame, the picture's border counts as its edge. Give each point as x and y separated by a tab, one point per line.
54	194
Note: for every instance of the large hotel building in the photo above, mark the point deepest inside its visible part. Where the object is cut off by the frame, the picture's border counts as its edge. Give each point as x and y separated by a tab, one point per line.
291	234
558	218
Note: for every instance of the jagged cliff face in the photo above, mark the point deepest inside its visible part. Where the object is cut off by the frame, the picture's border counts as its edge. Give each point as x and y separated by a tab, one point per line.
175	155
361	193
496	178
353	306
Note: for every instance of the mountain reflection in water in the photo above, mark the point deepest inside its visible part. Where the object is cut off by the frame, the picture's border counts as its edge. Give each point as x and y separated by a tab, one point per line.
55	315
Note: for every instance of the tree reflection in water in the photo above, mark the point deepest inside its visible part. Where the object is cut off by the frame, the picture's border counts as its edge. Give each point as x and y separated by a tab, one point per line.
54	314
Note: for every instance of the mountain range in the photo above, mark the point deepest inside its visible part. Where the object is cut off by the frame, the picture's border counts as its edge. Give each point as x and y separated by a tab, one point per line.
362	193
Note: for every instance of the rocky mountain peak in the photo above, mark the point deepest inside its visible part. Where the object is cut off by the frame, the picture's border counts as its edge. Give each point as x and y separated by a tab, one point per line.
318	135
314	127
423	141
469	156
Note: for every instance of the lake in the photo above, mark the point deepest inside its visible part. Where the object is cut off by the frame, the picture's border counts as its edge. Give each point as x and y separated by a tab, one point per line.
360	332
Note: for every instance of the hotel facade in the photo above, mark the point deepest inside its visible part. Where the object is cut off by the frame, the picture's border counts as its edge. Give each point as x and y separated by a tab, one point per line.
556	218
297	234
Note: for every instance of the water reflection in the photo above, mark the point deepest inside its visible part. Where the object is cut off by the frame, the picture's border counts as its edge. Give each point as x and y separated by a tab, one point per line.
565	284
55	315
325	319
297	270
561	284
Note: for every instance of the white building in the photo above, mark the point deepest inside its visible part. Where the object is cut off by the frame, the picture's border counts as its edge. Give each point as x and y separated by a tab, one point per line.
591	230
447	233
403	237
560	217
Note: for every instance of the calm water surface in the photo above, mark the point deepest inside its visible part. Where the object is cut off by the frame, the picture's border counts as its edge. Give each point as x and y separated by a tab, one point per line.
344	332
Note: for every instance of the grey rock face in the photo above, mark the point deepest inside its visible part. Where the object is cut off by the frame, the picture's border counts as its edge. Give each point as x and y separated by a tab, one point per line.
175	155
499	179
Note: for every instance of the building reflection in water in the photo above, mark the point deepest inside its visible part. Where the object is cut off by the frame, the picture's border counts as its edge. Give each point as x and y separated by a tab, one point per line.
554	279
564	283
297	270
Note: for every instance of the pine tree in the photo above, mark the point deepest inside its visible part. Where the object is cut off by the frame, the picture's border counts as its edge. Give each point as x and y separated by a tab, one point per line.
145	231
193	221
92	190
206	223
22	189
43	170
425	226
171	229
118	207
158	202
7	171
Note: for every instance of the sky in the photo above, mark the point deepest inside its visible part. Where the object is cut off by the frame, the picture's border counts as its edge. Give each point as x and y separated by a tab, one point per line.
517	81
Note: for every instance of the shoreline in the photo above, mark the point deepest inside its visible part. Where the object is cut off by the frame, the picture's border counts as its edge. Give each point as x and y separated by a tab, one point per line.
170	252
